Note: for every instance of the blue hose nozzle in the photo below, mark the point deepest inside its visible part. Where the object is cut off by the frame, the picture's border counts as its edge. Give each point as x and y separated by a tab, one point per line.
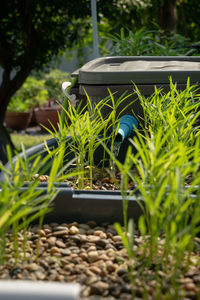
127	125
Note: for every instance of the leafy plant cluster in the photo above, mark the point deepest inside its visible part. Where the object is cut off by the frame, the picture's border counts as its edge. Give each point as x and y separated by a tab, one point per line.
88	128
148	43
167	175
165	169
37	89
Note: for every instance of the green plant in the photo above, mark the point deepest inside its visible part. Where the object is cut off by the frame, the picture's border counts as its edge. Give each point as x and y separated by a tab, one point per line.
145	42
31	94
19	207
89	127
168	155
84	128
53	81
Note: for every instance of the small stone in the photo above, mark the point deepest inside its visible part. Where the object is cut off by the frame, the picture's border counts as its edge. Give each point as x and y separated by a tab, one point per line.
117	238
89	273
82	237
102	242
111	252
32	267
60	228
185	280
40	275
196	278
95	270
51	241
84	226
126	296
93	256
42	232
99	287
47	226
83	256
92	248
110	266
82	231
86	292
93	238
73	230
110	246
190	286
68	267
101	234
60	232
43	178
55	251
60	244
104	257
73	224
65	252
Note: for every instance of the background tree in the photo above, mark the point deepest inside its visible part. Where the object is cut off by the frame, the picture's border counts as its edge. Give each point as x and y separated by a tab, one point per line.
32	32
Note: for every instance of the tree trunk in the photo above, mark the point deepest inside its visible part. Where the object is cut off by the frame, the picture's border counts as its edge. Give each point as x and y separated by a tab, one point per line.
7	90
5	141
168	16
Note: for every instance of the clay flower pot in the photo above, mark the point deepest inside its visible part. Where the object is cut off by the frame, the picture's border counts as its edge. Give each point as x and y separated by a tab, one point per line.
17	120
45	115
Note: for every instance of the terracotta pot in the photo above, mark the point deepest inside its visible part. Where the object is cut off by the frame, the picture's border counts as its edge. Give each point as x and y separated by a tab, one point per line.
17	120
45	115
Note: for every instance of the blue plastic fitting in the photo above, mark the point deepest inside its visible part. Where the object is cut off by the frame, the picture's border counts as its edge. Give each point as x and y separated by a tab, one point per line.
127	125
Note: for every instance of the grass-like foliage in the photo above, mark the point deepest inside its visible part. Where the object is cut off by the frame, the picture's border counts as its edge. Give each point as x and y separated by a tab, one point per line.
167	175
88	127
19	205
165	169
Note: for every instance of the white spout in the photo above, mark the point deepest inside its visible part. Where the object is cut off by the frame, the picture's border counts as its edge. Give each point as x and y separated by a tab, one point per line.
65	85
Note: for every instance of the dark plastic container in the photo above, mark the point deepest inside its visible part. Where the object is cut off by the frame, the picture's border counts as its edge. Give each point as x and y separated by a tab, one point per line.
120	72
71	205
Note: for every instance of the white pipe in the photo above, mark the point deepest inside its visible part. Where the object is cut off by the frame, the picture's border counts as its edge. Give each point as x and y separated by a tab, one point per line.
40	290
95	30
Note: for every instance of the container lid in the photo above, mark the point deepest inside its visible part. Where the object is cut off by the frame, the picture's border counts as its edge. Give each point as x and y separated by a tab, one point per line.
140	70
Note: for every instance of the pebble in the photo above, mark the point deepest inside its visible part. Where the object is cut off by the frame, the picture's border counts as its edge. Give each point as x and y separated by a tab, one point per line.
101	234
51	241
32	267
93	238
61	232
65	252
73	230
95	270
55	251
95	257
60	244
99	287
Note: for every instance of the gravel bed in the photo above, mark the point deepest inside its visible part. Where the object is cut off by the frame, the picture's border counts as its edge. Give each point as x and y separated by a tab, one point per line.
94	257
105	183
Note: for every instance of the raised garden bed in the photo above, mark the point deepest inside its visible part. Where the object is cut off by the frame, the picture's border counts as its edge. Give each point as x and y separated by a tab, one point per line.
79	244
155	255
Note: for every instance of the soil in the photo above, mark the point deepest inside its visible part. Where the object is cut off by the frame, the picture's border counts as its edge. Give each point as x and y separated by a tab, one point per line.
104	183
94	257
